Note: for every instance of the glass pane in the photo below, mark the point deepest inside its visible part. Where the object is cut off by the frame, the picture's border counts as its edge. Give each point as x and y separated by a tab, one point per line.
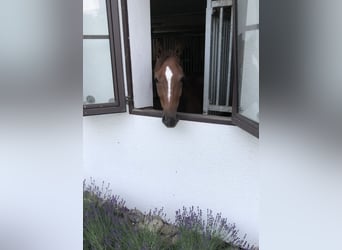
249	75
97	72
95	17
252	12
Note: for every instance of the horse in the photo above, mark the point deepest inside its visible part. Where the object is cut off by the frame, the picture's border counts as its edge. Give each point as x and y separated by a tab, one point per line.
173	89
168	76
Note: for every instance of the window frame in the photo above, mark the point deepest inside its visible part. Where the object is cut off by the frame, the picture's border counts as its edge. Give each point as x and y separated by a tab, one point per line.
235	119
150	111
238	119
114	38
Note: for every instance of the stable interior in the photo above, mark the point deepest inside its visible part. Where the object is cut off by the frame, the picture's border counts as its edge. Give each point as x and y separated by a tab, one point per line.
181	21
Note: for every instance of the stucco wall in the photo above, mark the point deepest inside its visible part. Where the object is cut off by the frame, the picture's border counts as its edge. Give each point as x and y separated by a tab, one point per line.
207	165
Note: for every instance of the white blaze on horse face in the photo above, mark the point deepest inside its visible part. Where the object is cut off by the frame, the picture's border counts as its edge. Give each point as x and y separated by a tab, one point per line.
168	75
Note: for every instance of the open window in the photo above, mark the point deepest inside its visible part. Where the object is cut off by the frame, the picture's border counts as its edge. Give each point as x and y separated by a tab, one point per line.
103	80
220	55
246	82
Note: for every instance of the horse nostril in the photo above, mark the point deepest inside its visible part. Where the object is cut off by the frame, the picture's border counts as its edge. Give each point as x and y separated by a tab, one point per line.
169	122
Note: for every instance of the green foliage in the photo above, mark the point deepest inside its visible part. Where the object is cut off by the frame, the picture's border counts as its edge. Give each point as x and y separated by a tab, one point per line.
106	227
194	240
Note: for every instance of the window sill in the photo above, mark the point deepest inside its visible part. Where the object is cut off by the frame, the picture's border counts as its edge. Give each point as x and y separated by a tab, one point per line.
102	110
184	116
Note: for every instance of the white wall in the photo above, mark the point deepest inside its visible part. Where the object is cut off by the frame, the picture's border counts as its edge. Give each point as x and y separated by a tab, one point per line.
195	164
207	165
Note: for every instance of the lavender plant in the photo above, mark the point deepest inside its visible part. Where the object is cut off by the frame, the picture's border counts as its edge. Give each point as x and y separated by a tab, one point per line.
107	226
101	216
211	234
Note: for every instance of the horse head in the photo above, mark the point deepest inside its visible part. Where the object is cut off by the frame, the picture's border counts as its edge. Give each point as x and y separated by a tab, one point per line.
168	75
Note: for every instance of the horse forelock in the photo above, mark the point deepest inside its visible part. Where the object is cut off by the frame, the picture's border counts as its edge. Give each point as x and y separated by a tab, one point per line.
165	55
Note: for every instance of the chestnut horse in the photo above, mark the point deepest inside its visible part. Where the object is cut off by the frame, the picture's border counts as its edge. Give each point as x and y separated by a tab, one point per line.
168	75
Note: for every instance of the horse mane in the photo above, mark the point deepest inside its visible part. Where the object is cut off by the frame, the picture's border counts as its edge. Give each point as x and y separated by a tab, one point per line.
162	54
165	55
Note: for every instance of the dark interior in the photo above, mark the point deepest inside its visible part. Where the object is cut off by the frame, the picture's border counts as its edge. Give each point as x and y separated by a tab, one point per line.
181	21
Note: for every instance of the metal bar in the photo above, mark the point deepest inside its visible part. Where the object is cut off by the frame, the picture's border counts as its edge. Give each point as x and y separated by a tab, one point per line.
218	54
228	63
249	28
230	56
214	64
224	63
207	58
95	36
180	14
212	58
220	108
221	3
219	57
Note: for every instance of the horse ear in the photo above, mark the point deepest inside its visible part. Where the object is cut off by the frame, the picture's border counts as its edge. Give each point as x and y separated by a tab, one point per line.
179	49
158	49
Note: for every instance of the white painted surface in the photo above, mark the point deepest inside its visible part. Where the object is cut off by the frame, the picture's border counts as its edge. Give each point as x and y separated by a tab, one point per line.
140	45
199	164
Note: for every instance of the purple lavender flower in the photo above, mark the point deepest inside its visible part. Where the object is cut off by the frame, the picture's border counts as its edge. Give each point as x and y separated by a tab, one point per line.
107	224
213	227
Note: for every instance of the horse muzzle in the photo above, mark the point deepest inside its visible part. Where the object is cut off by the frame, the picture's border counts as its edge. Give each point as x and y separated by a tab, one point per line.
169	121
